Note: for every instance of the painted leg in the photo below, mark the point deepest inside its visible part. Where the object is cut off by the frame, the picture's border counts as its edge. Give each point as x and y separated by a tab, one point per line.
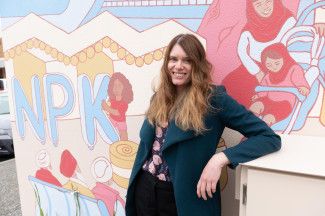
123	135
269	119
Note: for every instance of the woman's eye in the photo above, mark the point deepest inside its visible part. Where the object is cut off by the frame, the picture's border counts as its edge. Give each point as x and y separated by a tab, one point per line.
187	60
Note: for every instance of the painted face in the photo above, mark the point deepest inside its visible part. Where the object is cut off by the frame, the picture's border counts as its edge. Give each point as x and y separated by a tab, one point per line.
118	88
179	67
273	65
263	8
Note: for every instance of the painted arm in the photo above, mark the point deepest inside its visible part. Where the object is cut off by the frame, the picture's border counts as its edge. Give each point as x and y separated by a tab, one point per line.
264	82
298	80
109	110
242	50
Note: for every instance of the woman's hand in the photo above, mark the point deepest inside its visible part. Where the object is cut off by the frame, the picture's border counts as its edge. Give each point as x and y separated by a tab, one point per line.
210	175
259	76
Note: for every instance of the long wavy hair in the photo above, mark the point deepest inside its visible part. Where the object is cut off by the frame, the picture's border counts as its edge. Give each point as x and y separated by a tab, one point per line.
127	93
190	106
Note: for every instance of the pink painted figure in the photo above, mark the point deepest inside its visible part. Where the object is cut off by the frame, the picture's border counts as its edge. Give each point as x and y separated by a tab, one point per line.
281	71
120	96
267	21
103	190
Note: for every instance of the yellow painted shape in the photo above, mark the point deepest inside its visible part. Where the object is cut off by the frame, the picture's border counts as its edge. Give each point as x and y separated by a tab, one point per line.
120	181
98	64
319	14
26	66
122	153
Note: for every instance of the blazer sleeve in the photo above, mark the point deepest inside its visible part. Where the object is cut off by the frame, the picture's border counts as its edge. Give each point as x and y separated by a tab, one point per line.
261	139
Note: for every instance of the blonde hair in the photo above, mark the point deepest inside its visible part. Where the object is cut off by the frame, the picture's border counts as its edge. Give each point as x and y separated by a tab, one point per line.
188	108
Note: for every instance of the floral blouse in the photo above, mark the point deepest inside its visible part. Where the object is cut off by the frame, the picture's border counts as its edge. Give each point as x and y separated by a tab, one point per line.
156	165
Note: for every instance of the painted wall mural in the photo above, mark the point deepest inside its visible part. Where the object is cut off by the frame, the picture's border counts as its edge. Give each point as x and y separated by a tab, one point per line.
81	74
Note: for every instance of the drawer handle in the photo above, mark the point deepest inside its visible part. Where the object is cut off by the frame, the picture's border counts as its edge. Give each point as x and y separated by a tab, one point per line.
244	198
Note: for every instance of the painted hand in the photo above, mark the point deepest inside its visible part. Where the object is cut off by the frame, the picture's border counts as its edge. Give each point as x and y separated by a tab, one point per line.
320	28
207	184
105	106
303	90
254	98
259	76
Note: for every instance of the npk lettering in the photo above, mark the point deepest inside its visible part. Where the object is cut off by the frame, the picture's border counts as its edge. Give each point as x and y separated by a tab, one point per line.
90	99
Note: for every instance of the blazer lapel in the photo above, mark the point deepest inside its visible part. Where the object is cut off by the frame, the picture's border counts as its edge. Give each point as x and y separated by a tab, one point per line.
175	135
147	133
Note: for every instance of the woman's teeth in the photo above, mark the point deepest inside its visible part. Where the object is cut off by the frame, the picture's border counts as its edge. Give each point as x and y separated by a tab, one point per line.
179	75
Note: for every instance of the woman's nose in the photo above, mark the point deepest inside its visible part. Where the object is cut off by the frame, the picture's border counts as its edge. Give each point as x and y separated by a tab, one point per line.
179	65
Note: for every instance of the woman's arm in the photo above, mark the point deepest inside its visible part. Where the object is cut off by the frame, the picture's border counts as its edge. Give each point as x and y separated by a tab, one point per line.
261	139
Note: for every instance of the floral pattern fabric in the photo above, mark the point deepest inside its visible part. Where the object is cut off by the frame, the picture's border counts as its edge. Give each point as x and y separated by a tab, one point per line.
156	165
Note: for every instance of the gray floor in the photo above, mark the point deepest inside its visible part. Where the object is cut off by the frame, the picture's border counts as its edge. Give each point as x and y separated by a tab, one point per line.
9	195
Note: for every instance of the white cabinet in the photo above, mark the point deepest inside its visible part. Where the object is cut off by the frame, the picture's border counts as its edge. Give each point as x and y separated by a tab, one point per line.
290	182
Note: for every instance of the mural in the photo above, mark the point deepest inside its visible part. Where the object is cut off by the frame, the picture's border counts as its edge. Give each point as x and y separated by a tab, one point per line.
299	25
81	75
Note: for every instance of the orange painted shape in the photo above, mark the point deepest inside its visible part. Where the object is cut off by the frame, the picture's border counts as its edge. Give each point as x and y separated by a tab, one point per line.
99	64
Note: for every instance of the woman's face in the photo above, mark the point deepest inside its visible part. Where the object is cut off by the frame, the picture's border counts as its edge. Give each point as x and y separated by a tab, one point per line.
179	67
273	65
117	88
263	8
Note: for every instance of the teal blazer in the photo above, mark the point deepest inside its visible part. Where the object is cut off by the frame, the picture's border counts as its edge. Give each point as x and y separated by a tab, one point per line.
187	154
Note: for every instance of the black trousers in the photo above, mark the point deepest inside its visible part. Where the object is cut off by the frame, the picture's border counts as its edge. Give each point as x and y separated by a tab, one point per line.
154	197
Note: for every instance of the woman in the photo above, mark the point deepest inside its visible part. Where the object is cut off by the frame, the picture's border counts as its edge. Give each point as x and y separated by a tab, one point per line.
267	22
176	170
281	71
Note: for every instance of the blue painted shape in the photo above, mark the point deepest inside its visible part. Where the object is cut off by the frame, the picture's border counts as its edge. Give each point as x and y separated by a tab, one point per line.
303	4
15	8
63	201
291	90
55	112
166	12
142	24
303	17
90	110
35	114
143	17
93	12
192	24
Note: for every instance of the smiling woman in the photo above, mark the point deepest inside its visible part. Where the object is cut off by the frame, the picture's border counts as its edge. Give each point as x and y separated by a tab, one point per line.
177	169
179	67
